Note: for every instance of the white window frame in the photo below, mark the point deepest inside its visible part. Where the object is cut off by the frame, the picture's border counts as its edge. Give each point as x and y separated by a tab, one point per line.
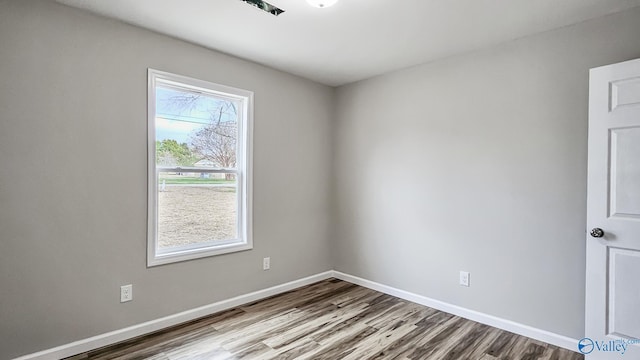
243	171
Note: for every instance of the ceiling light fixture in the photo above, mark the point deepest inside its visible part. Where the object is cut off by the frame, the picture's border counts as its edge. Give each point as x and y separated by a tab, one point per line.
322	3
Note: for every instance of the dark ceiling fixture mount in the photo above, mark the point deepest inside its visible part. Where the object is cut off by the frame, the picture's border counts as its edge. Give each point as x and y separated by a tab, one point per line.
265	6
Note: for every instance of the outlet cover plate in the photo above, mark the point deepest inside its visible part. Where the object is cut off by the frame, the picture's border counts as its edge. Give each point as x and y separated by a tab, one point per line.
126	293
464	278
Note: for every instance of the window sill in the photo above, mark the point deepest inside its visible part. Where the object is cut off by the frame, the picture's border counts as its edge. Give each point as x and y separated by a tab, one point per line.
196	253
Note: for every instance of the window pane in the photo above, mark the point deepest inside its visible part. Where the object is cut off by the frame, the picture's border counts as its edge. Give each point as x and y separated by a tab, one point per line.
196	208
195	129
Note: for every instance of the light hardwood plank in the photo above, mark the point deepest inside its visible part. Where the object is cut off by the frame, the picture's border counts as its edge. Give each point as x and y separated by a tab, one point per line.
332	319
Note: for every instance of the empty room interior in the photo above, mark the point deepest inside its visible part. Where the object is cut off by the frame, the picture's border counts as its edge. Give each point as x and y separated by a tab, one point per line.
319	179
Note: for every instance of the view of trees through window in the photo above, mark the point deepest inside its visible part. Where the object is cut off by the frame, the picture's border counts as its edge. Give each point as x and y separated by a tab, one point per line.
196	148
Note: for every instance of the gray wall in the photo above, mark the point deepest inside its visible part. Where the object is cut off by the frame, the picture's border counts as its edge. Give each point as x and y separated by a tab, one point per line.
73	177
478	163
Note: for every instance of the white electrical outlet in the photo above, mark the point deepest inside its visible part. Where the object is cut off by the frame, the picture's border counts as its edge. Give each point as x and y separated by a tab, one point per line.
464	278
266	263
126	293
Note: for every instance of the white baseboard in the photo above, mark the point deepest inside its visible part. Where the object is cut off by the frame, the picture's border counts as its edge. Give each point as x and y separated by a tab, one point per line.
116	336
508	325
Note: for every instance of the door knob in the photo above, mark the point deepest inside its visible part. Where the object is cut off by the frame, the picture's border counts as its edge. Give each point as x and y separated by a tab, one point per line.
597	232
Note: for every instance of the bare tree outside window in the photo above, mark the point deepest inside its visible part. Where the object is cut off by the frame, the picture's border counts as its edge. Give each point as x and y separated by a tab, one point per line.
217	141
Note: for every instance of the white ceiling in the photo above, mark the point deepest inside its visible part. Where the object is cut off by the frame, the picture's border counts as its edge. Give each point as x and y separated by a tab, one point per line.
355	39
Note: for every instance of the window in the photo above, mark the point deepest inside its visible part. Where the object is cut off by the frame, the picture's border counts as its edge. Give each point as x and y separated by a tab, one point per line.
199	168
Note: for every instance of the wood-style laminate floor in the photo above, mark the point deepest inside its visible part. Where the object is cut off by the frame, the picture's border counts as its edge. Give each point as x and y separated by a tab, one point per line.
332	319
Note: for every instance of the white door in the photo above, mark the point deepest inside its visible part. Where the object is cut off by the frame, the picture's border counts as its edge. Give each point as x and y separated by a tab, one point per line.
613	214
